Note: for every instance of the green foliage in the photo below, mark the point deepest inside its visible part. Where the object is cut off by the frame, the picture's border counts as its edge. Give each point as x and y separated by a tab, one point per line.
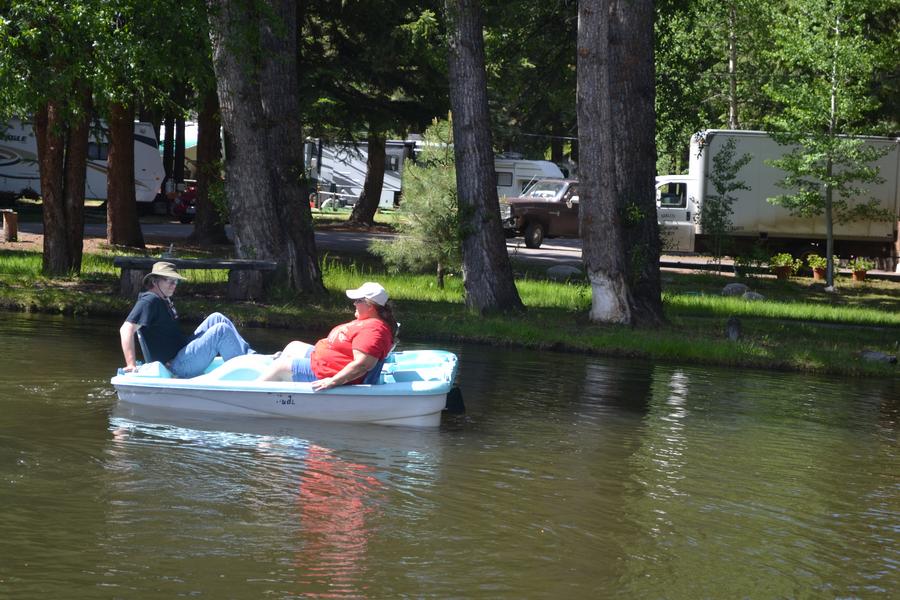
429	234
715	213
828	169
860	264
816	262
784	259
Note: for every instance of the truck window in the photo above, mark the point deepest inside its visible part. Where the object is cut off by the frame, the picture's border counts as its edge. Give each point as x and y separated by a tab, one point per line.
672	195
546	190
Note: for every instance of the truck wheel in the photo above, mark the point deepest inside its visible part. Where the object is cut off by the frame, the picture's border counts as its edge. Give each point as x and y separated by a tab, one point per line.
534	235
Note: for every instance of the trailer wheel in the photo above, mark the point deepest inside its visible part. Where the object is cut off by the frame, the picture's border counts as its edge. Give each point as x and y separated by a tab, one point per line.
534	235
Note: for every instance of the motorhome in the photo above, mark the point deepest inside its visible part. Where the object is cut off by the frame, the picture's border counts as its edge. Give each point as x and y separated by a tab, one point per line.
19	173
341	171
680	200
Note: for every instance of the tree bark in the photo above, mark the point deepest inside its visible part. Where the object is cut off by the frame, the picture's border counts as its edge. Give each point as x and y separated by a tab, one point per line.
122	225
367	204
168	151
49	129
178	165
209	225
602	239
634	119
487	272
62	156
255	61
76	174
616	122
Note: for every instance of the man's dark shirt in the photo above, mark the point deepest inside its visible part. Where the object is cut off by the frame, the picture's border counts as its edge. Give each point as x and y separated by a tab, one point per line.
158	327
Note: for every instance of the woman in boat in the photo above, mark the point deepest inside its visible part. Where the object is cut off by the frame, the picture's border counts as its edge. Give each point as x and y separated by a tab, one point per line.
349	352
155	316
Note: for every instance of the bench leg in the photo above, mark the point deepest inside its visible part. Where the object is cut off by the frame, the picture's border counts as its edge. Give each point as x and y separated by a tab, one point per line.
246	285
130	282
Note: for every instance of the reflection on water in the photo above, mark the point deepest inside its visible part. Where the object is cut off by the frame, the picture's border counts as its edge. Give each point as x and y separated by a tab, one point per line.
569	476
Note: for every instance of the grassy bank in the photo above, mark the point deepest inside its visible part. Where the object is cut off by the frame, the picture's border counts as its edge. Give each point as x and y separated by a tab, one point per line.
798	327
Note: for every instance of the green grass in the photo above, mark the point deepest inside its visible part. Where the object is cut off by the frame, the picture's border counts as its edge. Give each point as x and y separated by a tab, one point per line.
798	327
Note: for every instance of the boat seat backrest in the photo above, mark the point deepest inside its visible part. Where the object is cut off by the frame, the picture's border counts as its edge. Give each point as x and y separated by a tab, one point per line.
373	377
145	350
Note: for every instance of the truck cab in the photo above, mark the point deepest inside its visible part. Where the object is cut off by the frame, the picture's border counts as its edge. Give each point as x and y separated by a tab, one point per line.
546	209
675	212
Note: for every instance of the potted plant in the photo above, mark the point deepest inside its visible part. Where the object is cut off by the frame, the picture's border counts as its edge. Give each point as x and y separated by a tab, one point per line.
858	267
818	264
784	265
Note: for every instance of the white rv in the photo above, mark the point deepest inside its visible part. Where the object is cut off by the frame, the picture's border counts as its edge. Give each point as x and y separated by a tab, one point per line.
19	173
341	171
516	174
679	200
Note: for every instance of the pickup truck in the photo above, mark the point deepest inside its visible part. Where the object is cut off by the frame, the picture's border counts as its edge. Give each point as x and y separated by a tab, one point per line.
547	209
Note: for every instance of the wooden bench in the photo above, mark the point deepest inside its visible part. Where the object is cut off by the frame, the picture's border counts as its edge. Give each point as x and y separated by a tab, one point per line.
246	278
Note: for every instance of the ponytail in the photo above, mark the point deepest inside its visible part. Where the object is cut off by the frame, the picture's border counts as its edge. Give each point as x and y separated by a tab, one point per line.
386	314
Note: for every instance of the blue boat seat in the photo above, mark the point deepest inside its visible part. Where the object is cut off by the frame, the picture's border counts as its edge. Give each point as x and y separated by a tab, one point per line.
145	350
373	377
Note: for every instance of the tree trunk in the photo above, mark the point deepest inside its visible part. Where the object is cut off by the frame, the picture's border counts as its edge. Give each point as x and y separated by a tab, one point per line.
122	225
48	128
259	97
733	121
62	158
602	239
209	225
76	174
634	119
367	204
168	151
487	273
178	165
616	122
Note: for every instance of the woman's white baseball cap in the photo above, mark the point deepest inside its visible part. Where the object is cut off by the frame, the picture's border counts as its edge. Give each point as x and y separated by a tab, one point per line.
371	291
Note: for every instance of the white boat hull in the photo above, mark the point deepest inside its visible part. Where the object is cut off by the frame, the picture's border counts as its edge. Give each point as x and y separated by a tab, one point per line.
414	392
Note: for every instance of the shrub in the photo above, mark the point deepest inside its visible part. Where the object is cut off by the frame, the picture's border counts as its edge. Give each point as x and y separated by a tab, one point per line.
816	262
860	264
785	260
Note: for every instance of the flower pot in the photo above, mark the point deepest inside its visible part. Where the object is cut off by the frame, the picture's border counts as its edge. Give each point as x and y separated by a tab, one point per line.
782	272
819	273
858	275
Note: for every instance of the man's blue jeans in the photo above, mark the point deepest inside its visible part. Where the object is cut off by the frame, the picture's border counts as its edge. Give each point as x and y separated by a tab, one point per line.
215	335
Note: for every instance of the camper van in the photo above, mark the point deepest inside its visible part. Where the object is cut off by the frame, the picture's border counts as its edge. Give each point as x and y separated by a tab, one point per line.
514	175
19	173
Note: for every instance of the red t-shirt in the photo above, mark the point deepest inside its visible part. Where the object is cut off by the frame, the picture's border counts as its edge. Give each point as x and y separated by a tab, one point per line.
331	354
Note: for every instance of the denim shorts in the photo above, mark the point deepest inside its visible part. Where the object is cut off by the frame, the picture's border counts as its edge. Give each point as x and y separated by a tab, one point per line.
301	368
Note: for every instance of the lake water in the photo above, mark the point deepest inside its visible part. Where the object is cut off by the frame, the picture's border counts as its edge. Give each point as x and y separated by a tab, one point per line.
568	477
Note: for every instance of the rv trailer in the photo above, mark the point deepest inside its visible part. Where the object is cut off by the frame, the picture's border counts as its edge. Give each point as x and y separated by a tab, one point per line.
341	171
20	175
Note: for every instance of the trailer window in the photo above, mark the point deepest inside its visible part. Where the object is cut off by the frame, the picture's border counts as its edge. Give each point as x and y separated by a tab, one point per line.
504	179
392	163
672	195
98	151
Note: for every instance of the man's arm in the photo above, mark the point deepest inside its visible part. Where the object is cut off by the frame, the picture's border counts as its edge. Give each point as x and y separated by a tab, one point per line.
126	334
359	366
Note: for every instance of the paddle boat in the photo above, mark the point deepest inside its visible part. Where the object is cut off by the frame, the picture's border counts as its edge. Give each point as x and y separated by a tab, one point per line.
410	388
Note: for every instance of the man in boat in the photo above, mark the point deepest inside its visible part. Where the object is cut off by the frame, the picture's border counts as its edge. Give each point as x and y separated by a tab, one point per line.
155	316
349	352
